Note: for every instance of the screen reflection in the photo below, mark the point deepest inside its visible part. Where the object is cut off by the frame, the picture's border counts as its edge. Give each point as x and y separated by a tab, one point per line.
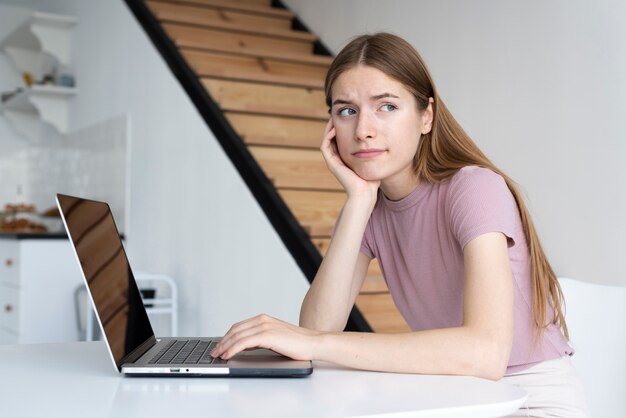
110	280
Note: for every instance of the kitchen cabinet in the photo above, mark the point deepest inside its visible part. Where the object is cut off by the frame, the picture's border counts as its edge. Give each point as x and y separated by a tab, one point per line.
39	276
41	46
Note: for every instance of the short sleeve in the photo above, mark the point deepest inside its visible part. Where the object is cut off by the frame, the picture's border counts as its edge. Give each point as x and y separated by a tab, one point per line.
479	201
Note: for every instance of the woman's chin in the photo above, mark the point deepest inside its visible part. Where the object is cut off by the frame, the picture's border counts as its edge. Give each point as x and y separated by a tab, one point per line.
366	171
367	175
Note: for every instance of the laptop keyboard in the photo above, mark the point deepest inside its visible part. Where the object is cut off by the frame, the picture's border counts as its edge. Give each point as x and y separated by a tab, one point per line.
187	352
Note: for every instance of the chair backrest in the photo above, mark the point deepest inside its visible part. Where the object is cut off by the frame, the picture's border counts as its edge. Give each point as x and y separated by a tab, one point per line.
596	318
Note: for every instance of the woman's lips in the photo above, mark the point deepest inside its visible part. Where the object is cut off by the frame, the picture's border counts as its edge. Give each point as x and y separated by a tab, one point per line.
368	153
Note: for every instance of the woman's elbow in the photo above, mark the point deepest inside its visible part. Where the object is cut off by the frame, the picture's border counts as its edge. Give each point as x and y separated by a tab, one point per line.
493	371
492	360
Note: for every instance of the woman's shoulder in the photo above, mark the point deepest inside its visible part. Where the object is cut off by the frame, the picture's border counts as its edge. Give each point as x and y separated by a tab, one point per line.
477	184
479	201
475	171
474	176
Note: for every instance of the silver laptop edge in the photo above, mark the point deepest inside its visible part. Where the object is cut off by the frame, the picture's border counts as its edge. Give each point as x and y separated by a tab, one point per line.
251	363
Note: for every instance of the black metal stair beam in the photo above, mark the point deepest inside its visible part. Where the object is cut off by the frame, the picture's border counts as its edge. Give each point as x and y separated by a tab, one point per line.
286	225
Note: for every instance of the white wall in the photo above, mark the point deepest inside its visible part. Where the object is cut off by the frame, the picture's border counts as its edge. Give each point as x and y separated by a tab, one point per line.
190	214
17	155
541	87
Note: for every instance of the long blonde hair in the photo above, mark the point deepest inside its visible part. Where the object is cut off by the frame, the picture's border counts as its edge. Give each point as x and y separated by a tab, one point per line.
447	148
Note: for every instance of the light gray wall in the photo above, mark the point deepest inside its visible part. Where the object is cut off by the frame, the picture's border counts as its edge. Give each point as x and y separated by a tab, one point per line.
541	87
190	214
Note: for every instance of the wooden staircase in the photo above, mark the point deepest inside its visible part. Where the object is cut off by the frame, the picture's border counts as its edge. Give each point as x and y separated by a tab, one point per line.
266	78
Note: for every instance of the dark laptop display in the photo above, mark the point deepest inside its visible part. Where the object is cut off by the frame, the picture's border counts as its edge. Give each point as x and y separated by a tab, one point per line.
111	283
124	320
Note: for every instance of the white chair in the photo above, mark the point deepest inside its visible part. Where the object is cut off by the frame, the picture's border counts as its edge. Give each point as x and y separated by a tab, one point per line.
165	302
596	318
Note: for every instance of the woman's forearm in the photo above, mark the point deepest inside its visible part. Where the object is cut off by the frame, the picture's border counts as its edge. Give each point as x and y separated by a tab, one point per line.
454	351
327	304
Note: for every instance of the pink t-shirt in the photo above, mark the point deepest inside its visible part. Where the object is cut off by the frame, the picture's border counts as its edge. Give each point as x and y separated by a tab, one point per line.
419	243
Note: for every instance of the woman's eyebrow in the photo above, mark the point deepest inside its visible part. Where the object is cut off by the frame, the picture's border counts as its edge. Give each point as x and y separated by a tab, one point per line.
372	98
341	101
383	96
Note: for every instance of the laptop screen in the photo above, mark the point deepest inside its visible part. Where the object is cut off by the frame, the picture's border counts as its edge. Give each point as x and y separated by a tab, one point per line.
106	270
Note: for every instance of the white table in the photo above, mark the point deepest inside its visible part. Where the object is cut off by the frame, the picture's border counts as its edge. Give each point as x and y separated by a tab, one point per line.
79	380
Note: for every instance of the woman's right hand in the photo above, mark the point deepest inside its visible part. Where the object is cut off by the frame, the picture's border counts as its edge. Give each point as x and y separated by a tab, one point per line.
350	181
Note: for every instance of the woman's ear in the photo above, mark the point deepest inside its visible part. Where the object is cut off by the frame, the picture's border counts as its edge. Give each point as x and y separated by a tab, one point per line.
427	117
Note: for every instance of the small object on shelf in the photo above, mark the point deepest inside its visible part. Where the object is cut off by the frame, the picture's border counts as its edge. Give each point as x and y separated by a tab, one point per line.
66	80
28	78
47	80
64	77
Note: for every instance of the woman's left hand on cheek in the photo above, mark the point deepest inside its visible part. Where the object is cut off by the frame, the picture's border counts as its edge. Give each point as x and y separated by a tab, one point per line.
263	331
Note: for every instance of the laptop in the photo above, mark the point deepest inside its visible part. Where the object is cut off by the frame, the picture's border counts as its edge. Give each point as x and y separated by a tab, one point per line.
123	319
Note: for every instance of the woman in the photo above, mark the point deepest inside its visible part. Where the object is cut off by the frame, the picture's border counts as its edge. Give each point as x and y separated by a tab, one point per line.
453	237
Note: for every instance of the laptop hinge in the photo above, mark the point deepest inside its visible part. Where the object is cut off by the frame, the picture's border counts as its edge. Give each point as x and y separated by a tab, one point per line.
138	352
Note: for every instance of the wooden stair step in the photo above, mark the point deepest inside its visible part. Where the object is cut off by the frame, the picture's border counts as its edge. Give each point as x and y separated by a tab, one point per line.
280	56
277	131
381	313
225	5
295	168
316	211
267	99
263	3
200	17
229	66
206	16
215	39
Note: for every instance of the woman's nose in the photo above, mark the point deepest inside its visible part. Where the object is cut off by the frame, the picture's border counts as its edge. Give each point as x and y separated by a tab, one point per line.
366	127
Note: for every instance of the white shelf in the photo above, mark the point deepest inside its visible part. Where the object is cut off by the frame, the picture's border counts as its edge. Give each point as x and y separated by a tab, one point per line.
42	37
27	110
38	46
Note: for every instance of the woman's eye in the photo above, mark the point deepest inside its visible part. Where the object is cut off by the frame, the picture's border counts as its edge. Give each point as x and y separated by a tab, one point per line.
388	108
346	111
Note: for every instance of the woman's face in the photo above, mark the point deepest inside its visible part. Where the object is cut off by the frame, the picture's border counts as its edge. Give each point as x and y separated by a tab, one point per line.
378	124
